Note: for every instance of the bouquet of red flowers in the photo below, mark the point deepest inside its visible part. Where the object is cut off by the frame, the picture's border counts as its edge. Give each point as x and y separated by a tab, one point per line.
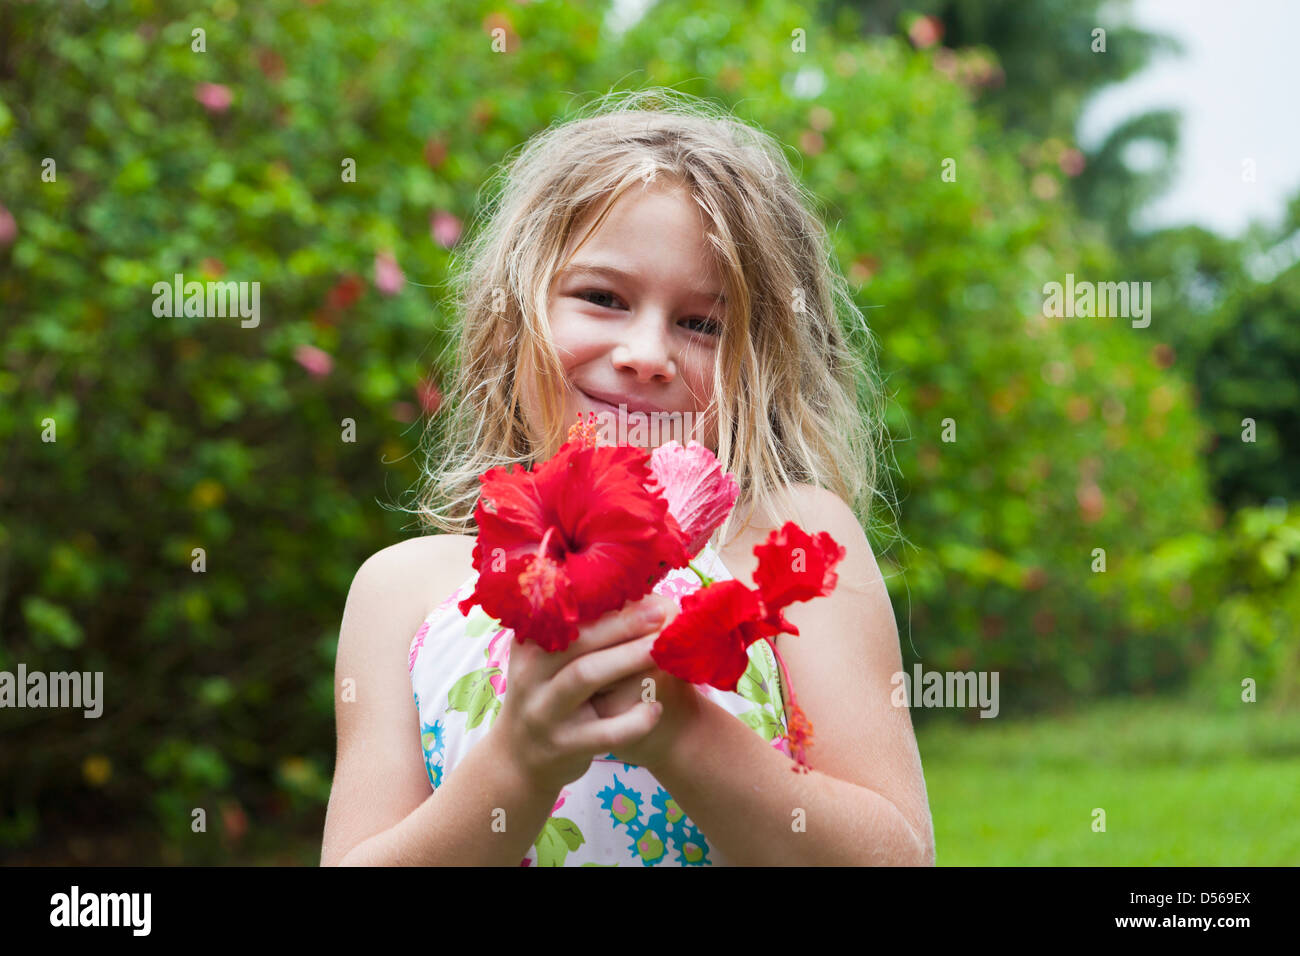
598	526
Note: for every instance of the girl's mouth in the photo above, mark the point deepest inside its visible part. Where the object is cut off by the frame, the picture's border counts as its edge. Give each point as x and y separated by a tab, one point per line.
631	406
600	406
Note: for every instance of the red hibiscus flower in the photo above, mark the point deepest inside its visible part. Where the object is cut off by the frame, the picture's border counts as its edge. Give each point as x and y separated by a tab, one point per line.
794	566
577	537
706	642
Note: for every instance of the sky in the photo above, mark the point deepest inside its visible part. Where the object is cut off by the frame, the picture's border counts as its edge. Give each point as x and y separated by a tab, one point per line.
1238	87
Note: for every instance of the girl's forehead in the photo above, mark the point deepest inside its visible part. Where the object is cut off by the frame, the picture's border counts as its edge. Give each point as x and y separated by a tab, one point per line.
626	243
637	202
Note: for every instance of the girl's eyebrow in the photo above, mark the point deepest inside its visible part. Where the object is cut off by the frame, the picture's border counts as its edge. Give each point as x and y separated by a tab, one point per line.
610	272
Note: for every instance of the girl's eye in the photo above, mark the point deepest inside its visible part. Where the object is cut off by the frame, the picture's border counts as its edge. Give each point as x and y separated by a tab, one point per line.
711	326
597	292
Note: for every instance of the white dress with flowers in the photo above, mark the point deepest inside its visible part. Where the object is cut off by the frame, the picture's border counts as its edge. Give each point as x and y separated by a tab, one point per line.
615	814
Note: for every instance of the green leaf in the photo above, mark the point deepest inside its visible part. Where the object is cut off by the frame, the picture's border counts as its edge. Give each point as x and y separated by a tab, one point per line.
51	623
762	720
473	695
552	847
479	623
568	831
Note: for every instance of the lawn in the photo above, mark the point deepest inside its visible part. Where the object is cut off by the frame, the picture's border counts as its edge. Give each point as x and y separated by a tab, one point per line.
1181	784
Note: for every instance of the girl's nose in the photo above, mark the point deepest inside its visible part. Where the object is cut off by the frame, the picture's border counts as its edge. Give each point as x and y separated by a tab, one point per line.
646	350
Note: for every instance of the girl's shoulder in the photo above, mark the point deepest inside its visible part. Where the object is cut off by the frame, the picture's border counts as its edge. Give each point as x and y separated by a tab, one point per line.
414	576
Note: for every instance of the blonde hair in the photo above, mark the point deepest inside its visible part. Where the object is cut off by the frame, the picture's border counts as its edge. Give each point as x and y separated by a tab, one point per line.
797	399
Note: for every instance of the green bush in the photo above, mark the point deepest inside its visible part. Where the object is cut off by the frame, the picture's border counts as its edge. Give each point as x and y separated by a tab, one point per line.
1257	625
1230	307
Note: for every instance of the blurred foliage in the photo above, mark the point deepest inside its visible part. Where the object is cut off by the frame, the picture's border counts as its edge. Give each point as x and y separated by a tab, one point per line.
1012	53
1228	308
1250	369
181	433
1257	625
1046	45
1228	329
184	433
1114	185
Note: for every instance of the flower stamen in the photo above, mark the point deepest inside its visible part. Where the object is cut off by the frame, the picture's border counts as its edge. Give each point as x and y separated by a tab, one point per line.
583	433
799	730
540	581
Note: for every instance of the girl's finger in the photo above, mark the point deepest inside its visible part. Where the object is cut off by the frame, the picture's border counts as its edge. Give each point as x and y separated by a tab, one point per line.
621	695
591	673
615	627
609	733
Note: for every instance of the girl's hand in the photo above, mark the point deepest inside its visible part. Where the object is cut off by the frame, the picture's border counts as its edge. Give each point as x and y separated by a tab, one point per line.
680	700
549	727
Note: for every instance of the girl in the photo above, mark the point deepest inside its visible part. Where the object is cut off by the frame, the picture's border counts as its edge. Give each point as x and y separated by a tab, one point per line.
654	258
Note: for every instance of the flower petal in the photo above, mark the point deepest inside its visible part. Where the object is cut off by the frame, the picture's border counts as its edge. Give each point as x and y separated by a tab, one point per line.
795	566
706	642
607	540
699	494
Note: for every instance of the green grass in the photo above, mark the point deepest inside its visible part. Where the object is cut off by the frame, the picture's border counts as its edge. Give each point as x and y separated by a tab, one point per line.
1181	784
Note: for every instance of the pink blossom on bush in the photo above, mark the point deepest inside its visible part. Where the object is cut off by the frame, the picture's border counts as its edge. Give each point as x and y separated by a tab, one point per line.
429	395
1072	162
317	362
445	229
388	274
925	31
215	97
8	227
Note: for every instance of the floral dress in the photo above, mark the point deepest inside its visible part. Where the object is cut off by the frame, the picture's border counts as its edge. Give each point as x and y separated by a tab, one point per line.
615	814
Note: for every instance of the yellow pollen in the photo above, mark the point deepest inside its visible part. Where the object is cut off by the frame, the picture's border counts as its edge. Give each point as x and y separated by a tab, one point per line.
540	581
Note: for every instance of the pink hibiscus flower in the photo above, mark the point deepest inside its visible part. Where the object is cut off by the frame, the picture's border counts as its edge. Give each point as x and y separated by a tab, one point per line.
699	494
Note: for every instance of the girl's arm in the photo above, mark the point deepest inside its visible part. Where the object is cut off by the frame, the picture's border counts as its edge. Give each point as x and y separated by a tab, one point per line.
865	802
381	808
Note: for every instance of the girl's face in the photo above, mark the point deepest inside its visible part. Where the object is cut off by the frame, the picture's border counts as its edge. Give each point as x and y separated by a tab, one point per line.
636	318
